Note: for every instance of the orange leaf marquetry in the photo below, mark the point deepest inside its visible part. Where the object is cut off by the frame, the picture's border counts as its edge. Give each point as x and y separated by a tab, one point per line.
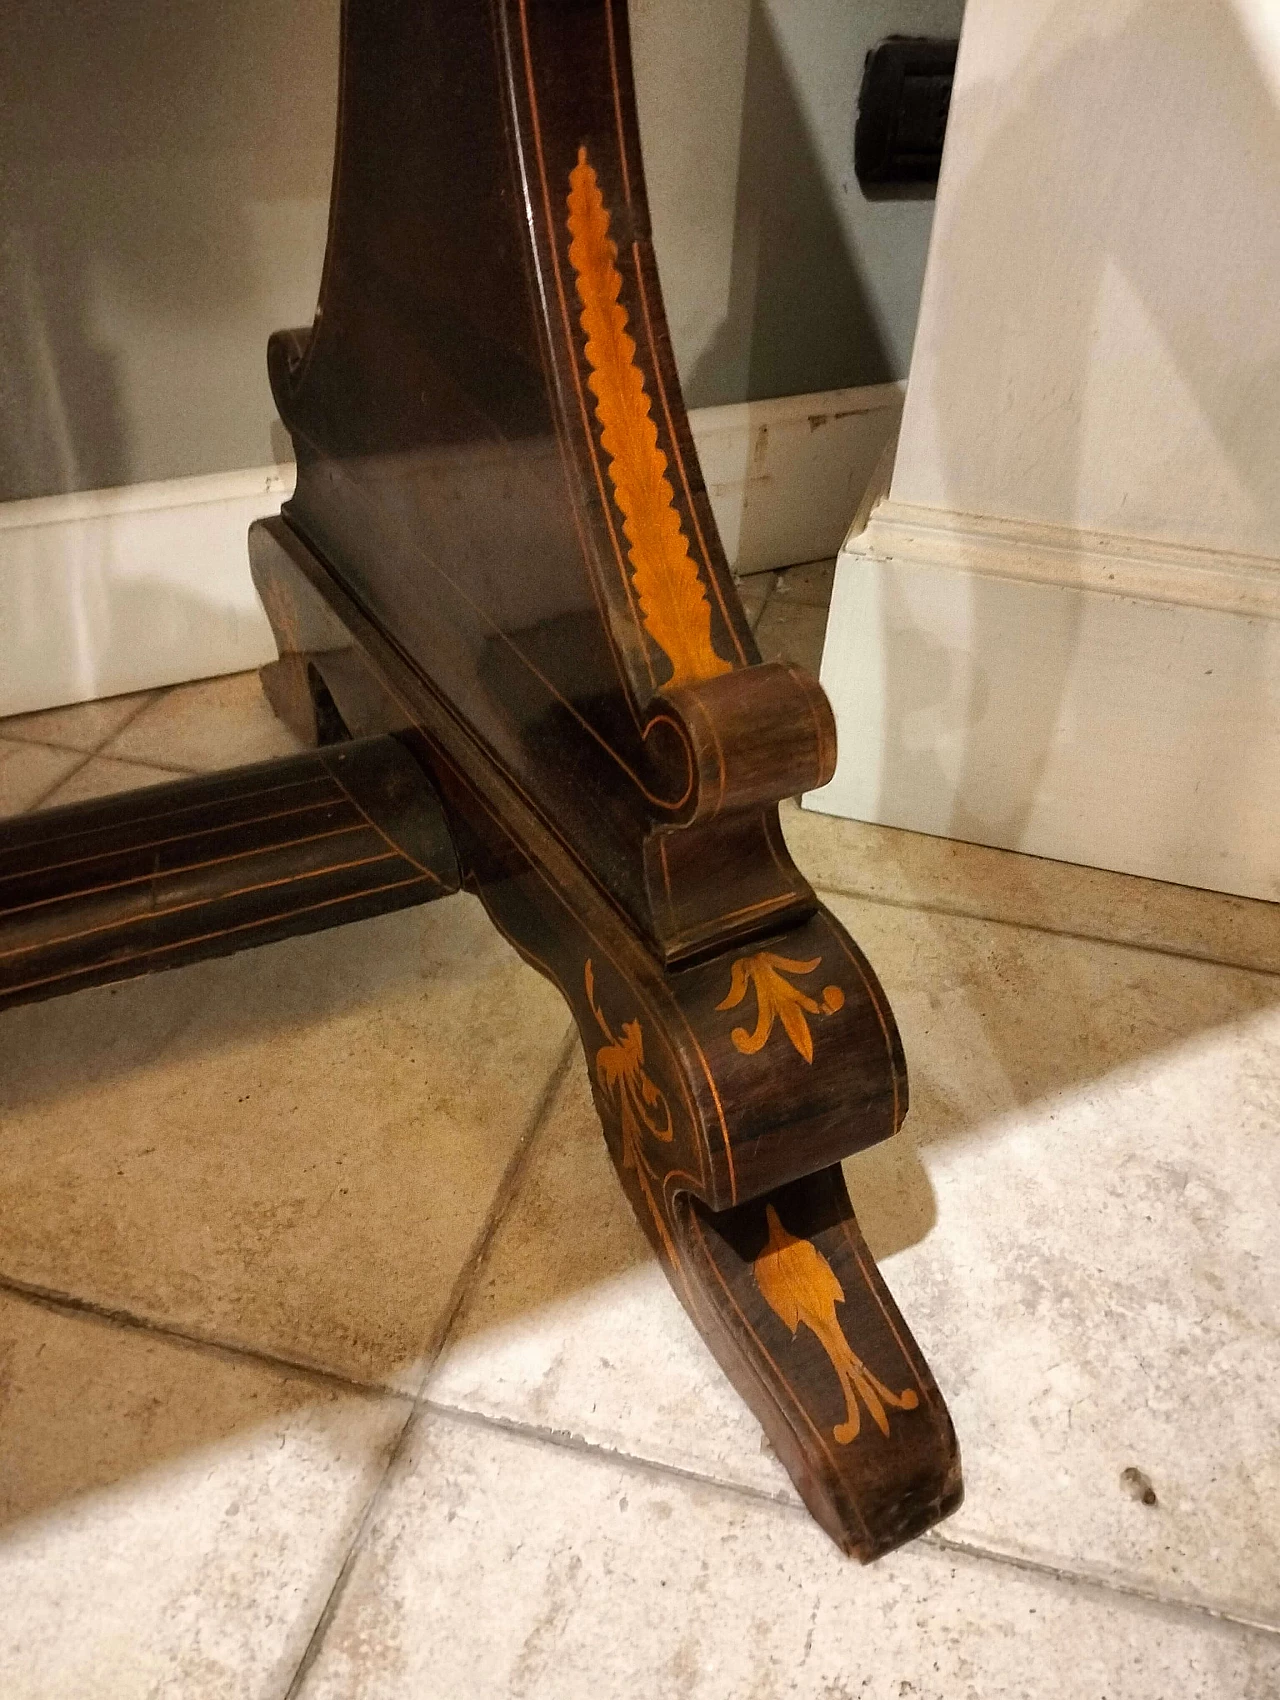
799	1285
673	599
777	999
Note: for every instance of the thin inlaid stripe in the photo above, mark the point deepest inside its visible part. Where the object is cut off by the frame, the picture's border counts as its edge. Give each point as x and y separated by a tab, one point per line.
201	903
333	802
160	874
219	933
386	838
323	777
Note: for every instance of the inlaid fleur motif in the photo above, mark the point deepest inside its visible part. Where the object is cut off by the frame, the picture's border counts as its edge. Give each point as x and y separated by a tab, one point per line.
799	1285
620	1069
777	999
641	1104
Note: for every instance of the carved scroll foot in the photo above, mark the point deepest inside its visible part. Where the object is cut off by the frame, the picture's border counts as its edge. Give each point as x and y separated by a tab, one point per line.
728	1088
786	1294
711	1123
789	1299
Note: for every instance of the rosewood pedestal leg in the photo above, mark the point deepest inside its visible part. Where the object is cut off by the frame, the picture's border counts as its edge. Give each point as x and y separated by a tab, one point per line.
500	549
147	880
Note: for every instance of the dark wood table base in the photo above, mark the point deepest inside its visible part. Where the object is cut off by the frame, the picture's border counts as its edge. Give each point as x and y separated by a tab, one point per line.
500	576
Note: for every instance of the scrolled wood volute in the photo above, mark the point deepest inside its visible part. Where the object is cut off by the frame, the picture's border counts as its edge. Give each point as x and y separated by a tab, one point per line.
754	736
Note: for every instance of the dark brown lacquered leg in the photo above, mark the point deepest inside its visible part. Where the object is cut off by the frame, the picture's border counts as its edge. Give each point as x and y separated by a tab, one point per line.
152	879
715	1157
500	548
797	1313
727	1090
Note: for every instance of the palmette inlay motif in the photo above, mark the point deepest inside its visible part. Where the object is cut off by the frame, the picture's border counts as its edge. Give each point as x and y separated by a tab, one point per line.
673	599
799	1285
777	999
641	1104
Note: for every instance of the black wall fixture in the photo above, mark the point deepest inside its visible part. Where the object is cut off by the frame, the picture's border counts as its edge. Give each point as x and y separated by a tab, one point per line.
902	117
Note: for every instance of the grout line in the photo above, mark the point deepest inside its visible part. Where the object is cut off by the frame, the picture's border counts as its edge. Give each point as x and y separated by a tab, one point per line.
124	761
419	1406
1042	927
1173	1604
503	1198
567	1441
163	767
149	697
150	701
71	1304
463	1286
68	1304
85	759
334	1597
771	590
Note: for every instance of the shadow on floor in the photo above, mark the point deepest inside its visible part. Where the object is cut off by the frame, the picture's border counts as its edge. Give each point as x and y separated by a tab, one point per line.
287	1231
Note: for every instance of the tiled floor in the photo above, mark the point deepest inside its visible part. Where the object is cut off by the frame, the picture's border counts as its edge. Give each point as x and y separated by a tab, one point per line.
333	1365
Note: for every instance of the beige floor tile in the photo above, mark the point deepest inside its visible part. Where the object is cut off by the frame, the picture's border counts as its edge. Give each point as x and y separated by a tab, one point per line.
29	771
571	1324
83	726
810	583
1100	1286
500	1568
1078	1222
101	776
171	1520
291	1149
792	632
213	724
860	859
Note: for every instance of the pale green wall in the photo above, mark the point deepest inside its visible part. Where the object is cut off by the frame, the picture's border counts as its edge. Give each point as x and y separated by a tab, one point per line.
780	278
164	174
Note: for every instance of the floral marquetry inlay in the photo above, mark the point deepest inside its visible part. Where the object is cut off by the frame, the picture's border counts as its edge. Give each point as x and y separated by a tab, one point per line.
799	1285
673	599
777	999
640	1103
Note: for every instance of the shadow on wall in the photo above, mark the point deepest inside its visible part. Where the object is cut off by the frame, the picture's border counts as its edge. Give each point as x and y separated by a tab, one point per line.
157	162
1180	91
799	317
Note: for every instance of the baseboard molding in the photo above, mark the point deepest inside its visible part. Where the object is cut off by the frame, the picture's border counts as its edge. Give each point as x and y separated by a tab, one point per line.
1116	706
107	591
1153	570
784	476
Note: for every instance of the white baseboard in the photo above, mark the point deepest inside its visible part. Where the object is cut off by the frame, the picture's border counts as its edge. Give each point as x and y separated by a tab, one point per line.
108	591
1100	700
1154	570
786	476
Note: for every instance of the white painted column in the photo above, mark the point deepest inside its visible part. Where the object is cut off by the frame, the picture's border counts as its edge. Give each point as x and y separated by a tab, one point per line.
1059	631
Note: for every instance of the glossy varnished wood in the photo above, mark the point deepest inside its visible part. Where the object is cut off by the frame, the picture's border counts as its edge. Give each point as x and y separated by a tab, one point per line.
146	880
492	451
500	556
706	1134
500	547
